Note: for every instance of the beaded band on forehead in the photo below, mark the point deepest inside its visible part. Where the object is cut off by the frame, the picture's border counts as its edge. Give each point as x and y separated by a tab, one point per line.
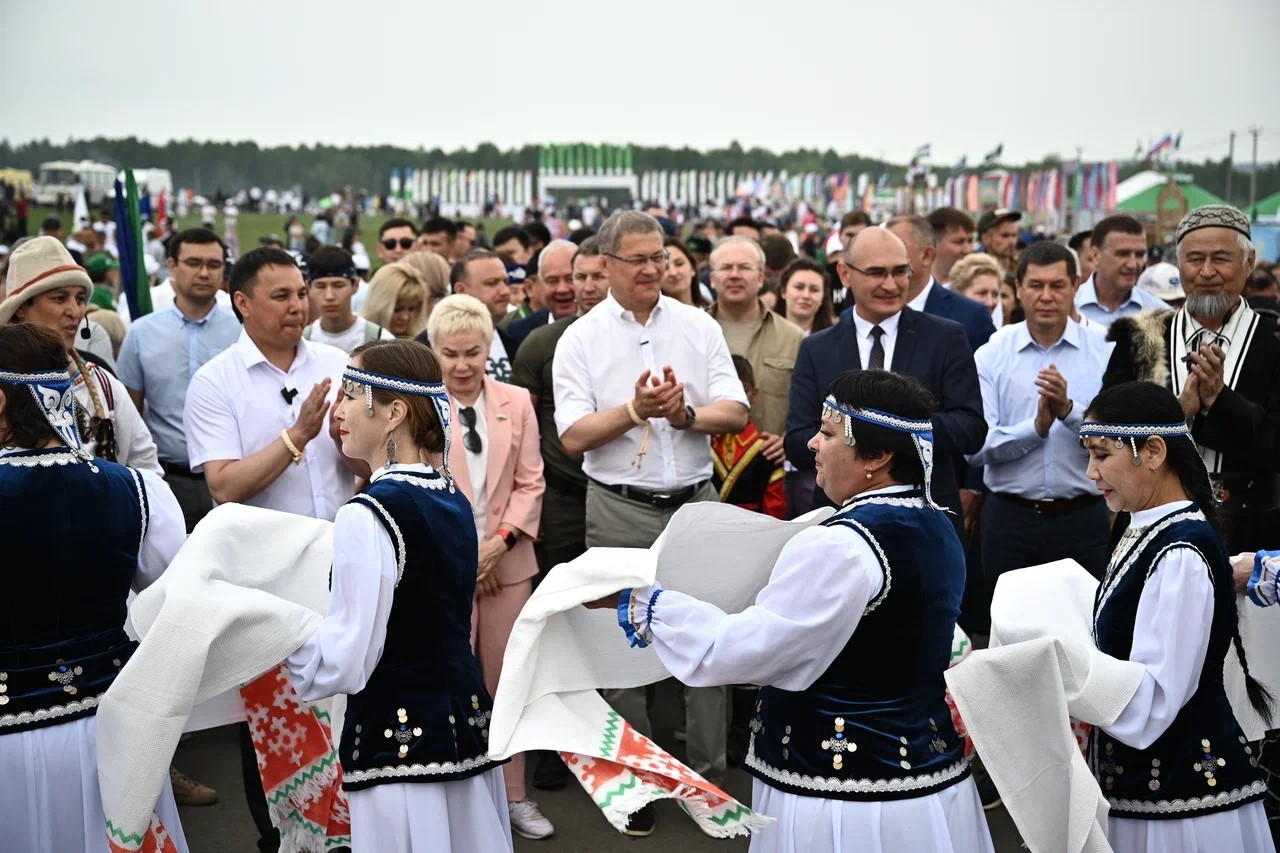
1133	432
434	390
51	389
921	432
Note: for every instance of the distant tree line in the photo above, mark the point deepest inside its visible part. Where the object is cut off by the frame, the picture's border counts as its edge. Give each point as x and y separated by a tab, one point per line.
229	166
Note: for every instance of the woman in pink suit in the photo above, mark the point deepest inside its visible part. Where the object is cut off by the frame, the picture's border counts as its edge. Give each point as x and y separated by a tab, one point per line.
497	464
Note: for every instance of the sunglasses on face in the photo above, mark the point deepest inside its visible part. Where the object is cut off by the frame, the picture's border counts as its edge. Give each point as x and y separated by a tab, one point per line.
471	438
404	242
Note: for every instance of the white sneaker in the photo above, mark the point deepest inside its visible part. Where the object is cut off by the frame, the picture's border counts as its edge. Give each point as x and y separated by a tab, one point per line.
527	821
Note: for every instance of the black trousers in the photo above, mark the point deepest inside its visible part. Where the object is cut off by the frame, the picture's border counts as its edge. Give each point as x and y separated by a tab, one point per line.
268	835
1015	536
564	528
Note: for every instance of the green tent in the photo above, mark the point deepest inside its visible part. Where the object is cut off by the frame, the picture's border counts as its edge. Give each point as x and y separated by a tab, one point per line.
1269	206
1145	201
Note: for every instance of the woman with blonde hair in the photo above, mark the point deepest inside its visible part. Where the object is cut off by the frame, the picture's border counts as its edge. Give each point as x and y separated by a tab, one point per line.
397	300
434	271
496	459
978	277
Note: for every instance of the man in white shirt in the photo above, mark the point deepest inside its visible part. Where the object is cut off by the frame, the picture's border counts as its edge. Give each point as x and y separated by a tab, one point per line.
333	281
255	422
1119	254
641	383
255	414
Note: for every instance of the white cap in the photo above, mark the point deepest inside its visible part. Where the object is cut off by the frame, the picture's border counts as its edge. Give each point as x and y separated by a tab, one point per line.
150	264
1162	280
833	243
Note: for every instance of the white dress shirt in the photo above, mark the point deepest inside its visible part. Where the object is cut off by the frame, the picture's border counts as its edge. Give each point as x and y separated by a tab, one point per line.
477	463
234	409
922	297
596	367
888	340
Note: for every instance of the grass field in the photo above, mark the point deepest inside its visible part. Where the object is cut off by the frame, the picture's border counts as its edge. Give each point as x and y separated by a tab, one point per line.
253	226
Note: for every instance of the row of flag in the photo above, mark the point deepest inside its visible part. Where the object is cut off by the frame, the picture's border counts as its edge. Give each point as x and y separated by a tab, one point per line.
1091	186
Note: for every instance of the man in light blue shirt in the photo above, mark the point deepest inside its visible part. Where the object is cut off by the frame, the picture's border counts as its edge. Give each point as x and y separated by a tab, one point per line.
163	350
1119	252
1037	378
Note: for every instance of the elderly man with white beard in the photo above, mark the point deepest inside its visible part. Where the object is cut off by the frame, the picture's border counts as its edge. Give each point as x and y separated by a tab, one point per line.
1222	359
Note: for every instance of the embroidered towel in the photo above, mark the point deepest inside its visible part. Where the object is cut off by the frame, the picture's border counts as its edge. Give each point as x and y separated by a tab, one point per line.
246	590
1018	697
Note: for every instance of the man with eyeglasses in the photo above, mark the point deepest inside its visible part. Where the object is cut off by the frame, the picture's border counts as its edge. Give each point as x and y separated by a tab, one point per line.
641	384
765	339
163	350
1222	359
396	238
882	333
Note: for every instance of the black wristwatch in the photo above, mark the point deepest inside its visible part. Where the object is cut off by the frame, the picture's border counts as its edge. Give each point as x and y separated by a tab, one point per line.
510	540
690	417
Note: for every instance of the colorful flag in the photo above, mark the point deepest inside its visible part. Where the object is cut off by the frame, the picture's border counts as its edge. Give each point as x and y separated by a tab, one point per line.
990	158
133	273
1164	143
923	151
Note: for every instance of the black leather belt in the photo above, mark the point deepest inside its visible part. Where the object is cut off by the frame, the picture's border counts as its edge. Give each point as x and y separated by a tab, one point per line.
1061	506
658	499
173	469
1254	492
564	485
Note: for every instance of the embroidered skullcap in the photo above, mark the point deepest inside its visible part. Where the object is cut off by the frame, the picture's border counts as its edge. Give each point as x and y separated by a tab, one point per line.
1214	216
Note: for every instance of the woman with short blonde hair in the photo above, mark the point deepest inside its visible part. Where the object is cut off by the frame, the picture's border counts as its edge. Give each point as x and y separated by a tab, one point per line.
978	276
434	271
459	313
397	300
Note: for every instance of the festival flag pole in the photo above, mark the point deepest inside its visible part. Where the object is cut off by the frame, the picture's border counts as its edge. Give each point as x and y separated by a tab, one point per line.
133	272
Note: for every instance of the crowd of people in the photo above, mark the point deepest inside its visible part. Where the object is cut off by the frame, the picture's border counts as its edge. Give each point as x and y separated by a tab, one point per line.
972	400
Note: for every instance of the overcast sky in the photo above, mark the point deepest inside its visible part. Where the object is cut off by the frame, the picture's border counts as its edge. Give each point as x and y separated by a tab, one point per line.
872	78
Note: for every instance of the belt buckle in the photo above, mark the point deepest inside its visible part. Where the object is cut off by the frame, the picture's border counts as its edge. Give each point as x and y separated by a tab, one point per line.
660	497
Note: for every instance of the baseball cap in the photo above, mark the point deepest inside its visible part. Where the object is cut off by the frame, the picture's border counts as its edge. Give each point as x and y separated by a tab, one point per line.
516	273
1162	280
992	218
99	263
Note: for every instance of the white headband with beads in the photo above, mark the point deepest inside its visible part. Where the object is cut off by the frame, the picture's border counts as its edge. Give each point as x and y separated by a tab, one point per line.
52	392
921	432
434	390
1132	432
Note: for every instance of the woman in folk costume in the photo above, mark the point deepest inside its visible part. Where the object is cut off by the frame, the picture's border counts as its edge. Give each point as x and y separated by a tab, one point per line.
397	639
853	747
45	286
62	613
1175	766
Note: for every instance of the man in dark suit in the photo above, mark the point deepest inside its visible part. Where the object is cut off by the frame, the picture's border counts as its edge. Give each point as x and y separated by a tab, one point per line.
881	332
925	294
556	277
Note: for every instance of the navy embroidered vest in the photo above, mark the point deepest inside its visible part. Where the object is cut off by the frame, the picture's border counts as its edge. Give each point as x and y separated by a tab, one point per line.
73	533
875	725
424	714
1201	764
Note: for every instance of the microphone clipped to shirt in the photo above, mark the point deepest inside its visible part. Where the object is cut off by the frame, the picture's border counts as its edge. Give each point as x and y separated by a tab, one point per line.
289	394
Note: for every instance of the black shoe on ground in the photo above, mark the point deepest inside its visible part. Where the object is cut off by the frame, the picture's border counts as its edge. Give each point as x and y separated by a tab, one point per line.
641	823
550	774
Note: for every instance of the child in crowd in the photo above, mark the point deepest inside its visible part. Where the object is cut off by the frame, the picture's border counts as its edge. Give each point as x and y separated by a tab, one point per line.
742	475
332	275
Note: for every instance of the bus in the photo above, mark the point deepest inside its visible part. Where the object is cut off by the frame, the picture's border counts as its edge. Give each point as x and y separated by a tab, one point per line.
58	180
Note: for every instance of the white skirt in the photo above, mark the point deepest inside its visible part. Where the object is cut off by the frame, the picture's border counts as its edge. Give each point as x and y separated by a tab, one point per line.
950	821
465	816
1242	830
56	806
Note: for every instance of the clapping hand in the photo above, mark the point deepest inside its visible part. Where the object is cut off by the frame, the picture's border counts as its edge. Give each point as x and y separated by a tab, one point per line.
311	417
1208	366
656	399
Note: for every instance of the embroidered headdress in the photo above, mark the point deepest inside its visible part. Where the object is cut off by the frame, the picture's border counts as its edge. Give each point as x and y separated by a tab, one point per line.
356	381
921	432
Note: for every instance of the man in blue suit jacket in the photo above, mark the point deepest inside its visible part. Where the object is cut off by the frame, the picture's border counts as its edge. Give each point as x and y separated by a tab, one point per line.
925	294
933	350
